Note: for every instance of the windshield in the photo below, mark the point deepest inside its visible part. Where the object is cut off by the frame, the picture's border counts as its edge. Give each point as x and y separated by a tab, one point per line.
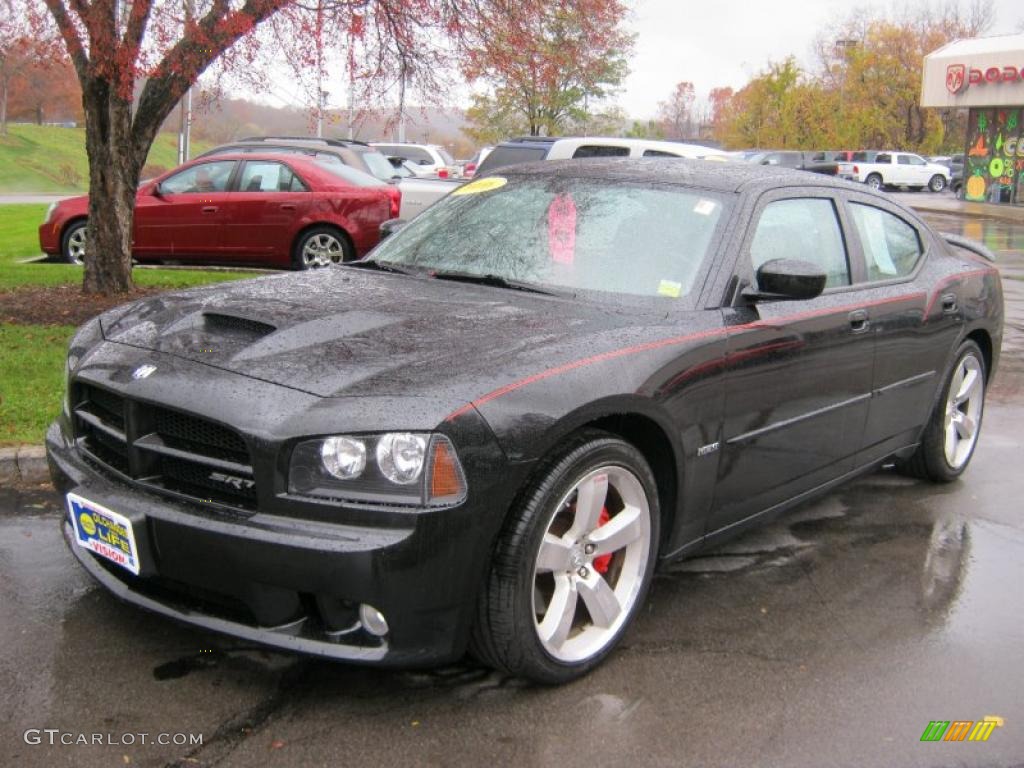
567	233
379	165
349	174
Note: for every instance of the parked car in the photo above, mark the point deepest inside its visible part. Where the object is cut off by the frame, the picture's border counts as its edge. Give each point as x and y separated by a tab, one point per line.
425	159
895	169
469	169
488	433
529	148
278	210
815	162
355	154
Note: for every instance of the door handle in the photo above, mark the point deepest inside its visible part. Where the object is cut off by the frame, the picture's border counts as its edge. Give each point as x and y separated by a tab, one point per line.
949	303
209	209
287	206
859	320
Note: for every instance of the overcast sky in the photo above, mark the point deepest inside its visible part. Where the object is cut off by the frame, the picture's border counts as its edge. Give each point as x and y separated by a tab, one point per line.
725	43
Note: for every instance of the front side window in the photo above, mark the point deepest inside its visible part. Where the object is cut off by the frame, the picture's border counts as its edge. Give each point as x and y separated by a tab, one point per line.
658	153
200	179
267	176
567	233
806	229
891	246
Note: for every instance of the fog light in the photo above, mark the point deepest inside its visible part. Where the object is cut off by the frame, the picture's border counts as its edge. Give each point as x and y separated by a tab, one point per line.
373	621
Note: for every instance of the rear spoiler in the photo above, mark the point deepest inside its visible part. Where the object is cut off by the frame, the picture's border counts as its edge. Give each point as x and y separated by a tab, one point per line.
969	245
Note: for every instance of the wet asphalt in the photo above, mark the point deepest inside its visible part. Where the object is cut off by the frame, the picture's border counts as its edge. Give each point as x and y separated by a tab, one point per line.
828	638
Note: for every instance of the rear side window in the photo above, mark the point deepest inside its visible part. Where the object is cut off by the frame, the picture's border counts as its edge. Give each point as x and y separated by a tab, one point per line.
265	176
658	153
883	158
806	229
596	150
511	155
891	246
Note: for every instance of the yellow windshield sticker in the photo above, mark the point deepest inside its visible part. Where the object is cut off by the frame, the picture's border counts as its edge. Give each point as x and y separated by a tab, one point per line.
670	288
481	185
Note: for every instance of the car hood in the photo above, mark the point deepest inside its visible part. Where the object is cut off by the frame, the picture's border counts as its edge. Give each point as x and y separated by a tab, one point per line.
344	331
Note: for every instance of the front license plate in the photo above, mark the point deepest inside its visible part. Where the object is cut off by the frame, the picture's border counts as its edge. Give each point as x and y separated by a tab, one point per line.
104	532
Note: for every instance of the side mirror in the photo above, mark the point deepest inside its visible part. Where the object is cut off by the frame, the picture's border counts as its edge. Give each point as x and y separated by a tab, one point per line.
157	192
391	226
788	279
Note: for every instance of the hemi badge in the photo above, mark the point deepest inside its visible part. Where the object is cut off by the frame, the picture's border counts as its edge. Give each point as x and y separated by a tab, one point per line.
704	450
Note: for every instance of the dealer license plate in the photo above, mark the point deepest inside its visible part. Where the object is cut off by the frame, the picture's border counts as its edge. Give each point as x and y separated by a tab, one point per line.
104	532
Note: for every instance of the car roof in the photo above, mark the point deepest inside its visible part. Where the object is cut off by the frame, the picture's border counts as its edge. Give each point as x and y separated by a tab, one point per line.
722	177
313	144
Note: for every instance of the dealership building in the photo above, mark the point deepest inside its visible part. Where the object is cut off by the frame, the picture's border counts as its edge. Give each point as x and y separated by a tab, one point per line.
986	76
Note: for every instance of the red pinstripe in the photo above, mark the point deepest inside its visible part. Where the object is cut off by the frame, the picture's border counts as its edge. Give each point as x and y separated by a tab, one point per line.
676	340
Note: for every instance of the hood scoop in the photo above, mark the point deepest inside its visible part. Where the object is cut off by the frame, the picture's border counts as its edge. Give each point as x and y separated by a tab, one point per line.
235	325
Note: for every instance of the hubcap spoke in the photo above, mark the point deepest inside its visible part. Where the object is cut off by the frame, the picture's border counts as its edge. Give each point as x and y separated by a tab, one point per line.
966	389
560	613
623	529
554	555
590	500
600	600
964	427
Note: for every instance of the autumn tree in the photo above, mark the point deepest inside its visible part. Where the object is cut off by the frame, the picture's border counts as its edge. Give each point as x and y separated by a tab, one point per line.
19	51
676	114
544	62
46	90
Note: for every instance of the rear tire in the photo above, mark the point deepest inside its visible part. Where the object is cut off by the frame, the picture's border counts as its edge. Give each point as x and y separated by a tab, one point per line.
937	183
951	434
74	242
572	564
874	181
320	246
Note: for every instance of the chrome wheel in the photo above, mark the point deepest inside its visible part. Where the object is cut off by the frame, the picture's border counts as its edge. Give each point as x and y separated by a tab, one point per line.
591	564
874	181
322	249
937	184
76	245
963	411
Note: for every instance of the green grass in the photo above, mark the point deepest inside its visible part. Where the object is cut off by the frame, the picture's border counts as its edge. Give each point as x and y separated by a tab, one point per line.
31	380
46	159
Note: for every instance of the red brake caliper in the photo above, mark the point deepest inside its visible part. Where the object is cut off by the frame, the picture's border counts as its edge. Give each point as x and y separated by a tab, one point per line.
601	563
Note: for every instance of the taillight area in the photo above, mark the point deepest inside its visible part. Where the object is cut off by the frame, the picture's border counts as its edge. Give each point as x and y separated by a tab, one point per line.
395	198
469	170
442	173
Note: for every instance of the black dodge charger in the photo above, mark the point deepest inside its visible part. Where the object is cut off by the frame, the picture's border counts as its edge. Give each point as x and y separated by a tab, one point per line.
489	433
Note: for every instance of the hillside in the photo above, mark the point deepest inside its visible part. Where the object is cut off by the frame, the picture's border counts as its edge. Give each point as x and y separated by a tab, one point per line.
51	160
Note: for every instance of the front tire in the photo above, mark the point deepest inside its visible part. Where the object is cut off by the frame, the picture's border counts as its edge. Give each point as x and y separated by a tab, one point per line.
319	247
951	434
74	242
937	183
874	181
572	564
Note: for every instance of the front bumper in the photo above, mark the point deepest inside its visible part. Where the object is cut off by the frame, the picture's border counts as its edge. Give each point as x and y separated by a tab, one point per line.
291	583
49	237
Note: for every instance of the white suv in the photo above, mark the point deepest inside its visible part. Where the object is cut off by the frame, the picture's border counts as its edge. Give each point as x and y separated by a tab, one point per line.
530	148
424	159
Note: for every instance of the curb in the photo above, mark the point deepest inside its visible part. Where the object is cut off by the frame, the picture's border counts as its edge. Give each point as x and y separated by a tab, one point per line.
23	464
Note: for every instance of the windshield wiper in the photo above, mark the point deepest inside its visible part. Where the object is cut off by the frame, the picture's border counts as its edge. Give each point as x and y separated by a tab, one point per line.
494	280
379	266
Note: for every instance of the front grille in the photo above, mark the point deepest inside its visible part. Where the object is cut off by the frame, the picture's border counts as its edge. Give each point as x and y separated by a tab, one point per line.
163	449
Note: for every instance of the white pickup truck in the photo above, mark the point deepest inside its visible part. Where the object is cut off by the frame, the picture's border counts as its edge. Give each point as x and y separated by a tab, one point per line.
895	169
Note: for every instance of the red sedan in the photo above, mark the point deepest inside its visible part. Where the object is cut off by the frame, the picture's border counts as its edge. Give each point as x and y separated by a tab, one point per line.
245	208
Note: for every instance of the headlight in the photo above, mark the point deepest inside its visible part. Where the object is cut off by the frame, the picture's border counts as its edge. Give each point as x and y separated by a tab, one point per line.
49	213
400	456
413	468
343	457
